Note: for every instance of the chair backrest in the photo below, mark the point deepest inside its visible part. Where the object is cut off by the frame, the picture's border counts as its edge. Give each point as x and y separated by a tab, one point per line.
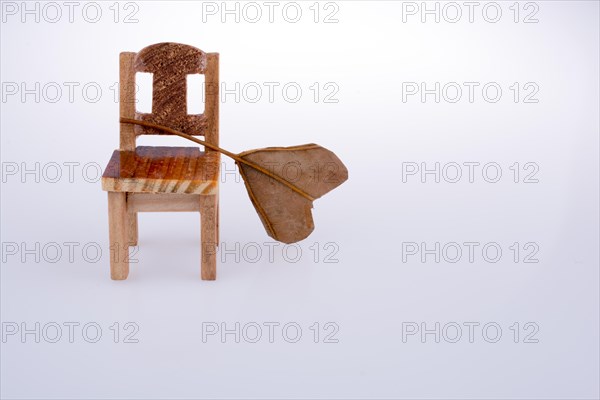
170	63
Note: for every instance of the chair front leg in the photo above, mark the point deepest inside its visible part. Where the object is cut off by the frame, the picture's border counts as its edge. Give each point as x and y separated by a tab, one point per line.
208	226
118	237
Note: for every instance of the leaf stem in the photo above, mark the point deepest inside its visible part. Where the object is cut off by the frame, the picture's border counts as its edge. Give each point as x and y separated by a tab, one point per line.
229	154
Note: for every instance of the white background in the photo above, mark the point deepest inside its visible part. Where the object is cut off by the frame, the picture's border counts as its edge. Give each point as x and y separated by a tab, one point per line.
375	291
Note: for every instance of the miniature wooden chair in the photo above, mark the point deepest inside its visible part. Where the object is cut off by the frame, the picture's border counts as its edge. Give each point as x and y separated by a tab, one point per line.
146	178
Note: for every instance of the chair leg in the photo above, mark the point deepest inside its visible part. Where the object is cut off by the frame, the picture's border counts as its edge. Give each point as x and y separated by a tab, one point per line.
217	230
117	231
133	228
208	226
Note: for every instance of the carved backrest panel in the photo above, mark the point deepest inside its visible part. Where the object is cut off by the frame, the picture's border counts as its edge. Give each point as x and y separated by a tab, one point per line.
170	63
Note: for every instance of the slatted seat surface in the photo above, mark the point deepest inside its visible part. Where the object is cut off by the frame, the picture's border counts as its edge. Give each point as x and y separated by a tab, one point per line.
151	169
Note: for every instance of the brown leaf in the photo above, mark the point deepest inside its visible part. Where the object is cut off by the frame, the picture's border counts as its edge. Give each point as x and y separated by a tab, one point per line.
284	212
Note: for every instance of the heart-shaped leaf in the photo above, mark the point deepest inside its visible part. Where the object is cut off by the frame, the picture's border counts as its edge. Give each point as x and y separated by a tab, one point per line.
284	212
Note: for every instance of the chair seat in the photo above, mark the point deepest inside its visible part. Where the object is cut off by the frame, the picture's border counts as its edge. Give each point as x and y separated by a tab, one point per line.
151	169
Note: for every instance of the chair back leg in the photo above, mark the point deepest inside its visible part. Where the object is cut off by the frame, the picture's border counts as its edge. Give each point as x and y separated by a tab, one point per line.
133	227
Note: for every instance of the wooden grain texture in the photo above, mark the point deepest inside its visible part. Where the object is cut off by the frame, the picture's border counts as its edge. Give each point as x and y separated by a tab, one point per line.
286	214
126	99
170	63
117	233
162	170
208	237
162	202
133	225
211	109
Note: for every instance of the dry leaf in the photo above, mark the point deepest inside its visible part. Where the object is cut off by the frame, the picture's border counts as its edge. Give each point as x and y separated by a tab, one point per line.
285	213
